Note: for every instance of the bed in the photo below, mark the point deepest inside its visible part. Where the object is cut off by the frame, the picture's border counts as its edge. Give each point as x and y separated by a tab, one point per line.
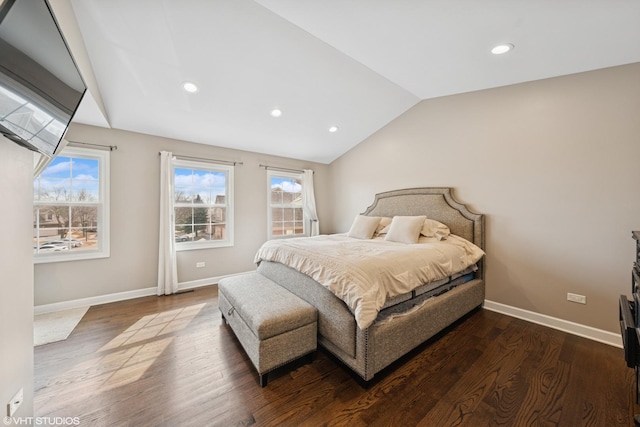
369	343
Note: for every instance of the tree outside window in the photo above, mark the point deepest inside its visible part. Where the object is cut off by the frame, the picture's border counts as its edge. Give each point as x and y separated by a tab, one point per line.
202	205
69	211
286	216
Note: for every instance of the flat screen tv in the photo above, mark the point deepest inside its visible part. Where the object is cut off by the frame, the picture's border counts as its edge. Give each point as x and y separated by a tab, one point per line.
40	86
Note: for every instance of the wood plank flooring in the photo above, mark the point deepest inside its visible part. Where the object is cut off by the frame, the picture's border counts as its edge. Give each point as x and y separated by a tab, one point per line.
169	361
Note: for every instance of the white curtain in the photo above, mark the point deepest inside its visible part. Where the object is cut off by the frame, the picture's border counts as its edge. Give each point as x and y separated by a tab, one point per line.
310	202
167	268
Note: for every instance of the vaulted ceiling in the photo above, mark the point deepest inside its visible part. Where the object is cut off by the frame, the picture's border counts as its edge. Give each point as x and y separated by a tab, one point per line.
355	65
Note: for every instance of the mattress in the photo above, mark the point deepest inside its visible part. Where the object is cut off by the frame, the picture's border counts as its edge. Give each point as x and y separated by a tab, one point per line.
434	288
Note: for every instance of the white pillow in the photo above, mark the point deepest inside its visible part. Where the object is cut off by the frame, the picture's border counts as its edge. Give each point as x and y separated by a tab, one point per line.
363	227
405	229
433	228
383	227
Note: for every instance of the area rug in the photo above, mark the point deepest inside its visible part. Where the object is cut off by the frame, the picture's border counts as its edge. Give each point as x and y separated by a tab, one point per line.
57	326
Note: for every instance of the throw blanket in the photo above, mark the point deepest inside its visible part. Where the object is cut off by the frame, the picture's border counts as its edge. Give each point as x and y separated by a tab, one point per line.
363	273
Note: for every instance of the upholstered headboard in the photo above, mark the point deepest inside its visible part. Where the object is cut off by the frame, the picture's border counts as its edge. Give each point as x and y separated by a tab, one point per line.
436	203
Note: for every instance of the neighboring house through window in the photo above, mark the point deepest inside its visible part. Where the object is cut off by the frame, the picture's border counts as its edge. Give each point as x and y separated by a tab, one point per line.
285	212
203	204
71	207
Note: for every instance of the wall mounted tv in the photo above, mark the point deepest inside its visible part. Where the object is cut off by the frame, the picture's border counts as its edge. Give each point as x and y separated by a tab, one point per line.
40	86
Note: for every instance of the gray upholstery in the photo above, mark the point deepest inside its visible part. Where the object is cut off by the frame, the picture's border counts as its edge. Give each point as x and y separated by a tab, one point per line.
368	351
393	339
274	326
334	318
266	308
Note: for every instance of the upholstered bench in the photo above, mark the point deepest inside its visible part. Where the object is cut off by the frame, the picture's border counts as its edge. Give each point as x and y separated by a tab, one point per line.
273	325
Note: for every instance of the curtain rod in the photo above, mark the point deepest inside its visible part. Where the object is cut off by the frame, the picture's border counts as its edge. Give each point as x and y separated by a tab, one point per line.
276	168
104	147
203	159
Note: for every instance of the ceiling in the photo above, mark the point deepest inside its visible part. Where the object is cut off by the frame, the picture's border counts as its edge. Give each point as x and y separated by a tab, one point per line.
354	64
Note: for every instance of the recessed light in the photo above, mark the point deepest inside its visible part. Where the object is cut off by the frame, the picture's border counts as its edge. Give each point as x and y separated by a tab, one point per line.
502	48
333	129
276	112
190	87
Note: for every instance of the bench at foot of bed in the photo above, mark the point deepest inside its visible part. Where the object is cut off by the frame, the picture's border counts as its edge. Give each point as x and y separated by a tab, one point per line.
273	325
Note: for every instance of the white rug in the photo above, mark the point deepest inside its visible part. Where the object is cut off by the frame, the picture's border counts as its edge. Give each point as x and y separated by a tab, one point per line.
57	326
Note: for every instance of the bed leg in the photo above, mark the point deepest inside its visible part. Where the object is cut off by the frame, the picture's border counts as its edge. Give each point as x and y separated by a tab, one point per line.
264	379
224	319
362	382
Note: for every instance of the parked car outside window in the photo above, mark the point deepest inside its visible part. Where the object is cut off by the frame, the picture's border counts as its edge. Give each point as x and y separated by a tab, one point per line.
52	248
74	243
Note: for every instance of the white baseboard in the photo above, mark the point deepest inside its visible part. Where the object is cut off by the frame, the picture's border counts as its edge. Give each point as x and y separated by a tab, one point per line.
206	282
121	296
101	299
594	334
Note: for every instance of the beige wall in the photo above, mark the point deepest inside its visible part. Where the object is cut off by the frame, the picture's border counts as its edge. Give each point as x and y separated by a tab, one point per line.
16	285
554	164
135	171
551	163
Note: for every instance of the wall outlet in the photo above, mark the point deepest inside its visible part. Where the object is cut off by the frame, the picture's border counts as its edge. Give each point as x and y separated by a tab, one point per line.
200	264
15	403
581	299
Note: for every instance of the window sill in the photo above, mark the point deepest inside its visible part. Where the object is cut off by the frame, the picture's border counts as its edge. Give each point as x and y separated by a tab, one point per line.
194	246
46	258
290	236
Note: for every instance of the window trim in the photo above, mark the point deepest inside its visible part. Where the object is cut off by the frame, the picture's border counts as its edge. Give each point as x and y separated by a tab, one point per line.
305	227
215	167
104	208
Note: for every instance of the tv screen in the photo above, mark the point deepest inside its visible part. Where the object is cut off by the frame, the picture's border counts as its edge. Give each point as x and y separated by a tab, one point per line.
40	86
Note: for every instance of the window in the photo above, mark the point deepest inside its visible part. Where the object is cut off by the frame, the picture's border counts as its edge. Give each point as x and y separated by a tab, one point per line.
203	205
70	208
285	213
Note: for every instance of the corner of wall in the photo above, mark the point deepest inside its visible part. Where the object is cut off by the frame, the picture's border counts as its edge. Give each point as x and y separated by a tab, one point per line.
16	286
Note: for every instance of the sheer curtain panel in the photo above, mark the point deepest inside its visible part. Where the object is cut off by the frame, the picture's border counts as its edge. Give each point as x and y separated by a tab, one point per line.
167	268
310	202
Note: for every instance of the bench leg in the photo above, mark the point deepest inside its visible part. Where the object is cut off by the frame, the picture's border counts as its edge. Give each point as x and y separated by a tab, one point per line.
264	378
224	319
311	357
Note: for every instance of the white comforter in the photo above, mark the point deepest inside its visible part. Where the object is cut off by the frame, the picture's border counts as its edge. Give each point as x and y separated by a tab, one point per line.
364	273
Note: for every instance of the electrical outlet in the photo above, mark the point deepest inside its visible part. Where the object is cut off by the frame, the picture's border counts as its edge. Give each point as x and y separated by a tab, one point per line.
581	299
200	264
15	403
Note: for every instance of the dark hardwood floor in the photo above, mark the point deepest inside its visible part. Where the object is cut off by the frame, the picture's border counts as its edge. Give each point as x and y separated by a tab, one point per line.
169	361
